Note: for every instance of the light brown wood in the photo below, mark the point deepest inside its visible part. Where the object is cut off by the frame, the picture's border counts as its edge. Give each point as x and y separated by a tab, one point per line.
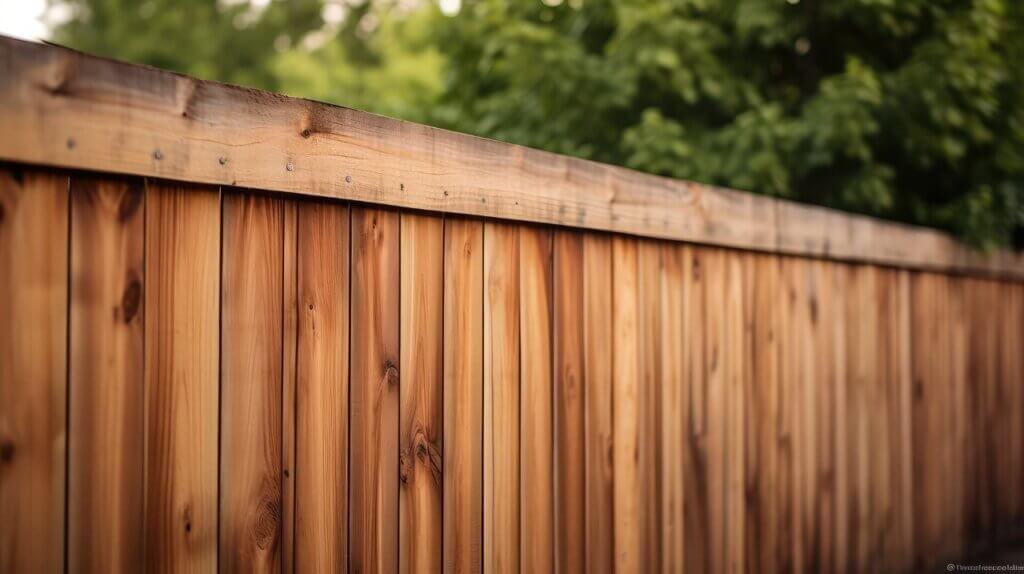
569	395
501	398
673	407
106	411
625	405
322	388
251	371
182	382
66	109
421	387
33	369
289	349
694	442
373	452
536	401
597	394
649	382
714	406
733	353
463	396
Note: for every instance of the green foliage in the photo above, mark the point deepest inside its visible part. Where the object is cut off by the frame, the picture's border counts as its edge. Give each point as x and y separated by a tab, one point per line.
905	109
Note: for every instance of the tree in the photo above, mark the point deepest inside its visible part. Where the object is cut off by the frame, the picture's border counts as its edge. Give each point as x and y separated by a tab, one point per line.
908	109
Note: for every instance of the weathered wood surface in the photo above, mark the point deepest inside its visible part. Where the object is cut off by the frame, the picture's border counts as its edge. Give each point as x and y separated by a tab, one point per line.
253	383
62	108
33	369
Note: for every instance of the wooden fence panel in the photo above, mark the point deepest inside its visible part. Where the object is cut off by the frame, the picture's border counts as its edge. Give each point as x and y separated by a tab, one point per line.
501	398
251	383
257	383
373	487
33	368
106	411
182	379
463	396
422	380
321	407
597	394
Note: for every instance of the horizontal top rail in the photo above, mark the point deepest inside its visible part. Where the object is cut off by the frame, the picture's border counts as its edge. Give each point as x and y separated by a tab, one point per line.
62	108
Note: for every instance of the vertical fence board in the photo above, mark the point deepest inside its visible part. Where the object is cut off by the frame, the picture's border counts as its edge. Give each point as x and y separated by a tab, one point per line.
182	379
733	355
536	435
373	462
671	403
569	395
650	353
33	377
289	350
501	398
714	411
625	404
322	388
597	394
106	425
422	409
463	396
251	371
694	443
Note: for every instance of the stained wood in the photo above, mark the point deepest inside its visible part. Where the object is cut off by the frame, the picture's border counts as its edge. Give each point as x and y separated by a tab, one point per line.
374	407
501	398
251	386
58	108
671	401
322	388
182	383
463	395
714	408
536	392
33	369
421	387
625	405
289	348
106	425
694	443
569	382
597	394
650	382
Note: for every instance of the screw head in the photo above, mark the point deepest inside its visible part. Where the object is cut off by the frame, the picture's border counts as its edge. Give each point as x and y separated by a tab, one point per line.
71	143
223	160
348	179
290	166
158	155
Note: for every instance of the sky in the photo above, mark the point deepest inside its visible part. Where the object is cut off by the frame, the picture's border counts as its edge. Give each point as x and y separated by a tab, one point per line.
23	19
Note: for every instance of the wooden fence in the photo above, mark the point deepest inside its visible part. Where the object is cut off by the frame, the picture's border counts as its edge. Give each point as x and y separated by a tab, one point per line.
246	333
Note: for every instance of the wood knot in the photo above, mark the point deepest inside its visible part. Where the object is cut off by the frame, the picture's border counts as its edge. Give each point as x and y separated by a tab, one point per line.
6	451
306	133
814	311
390	374
405	466
129	203
695	269
267	518
130	300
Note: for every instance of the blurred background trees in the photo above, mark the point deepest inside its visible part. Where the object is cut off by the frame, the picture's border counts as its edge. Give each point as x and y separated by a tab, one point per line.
905	109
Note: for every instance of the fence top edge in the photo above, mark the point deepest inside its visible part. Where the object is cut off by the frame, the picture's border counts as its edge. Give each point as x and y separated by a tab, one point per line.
62	108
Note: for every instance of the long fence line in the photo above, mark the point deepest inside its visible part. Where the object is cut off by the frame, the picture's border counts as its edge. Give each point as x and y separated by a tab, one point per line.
406	350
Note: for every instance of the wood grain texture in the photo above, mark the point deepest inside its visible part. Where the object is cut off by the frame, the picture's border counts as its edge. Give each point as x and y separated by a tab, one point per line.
598	425
569	409
182	384
501	398
71	110
322	388
289	350
536	395
714	419
673	409
694	442
649	382
422	368
463	395
33	369
376	301
251	386
625	405
106	412
733	353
